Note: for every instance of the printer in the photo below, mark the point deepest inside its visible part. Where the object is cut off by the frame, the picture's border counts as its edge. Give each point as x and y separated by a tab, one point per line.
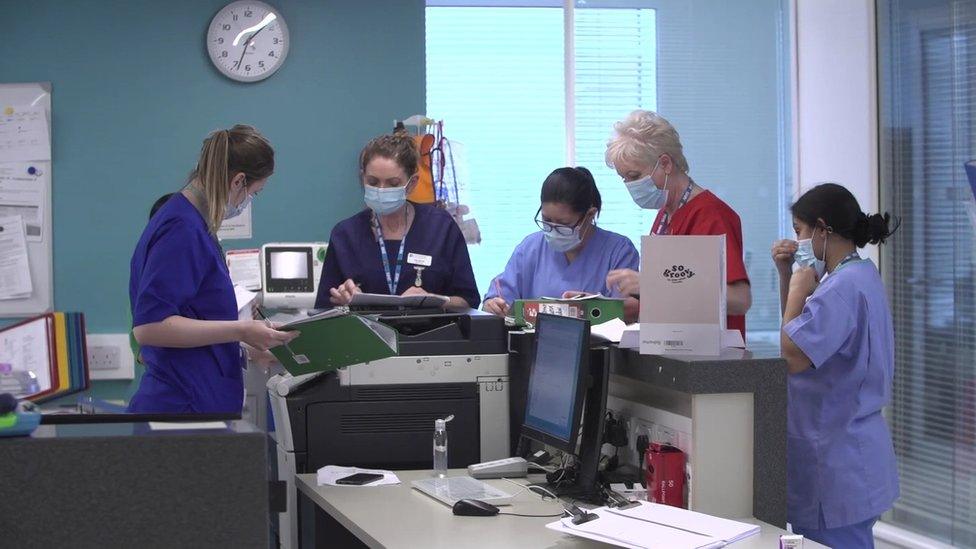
381	414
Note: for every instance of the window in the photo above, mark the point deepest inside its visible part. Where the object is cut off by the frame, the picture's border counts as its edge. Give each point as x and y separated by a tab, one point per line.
927	68
505	83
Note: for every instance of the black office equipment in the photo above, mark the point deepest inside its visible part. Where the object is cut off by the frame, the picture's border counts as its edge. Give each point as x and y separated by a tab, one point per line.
566	402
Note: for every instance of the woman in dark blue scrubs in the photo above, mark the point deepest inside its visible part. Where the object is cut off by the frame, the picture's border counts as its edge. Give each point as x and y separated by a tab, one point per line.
396	247
184	313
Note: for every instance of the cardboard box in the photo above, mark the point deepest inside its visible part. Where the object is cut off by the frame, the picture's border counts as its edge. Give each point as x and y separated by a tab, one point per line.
596	309
682	289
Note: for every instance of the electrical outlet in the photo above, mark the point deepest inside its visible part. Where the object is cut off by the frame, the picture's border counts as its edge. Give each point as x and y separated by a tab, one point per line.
110	356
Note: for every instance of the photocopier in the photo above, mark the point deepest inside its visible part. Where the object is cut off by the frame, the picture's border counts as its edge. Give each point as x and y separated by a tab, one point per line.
381	414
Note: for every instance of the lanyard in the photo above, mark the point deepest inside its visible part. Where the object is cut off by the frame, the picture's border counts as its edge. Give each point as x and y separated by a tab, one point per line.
394	279
847	259
666	219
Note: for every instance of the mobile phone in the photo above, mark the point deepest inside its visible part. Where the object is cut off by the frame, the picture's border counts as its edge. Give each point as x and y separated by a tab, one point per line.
359	479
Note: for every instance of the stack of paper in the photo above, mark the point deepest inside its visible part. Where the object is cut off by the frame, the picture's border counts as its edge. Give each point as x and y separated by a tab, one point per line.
654	526
50	351
328	475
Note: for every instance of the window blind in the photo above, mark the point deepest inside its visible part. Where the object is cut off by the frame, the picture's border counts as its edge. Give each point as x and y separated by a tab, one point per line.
926	61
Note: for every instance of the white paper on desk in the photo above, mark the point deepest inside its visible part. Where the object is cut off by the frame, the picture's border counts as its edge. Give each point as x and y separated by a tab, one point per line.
629	532
186	426
612	330
328	475
236	227
27	348
15	276
630	339
726	530
23	194
732	339
24	134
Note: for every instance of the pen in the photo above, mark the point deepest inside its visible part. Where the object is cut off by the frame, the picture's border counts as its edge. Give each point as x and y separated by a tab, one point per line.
498	288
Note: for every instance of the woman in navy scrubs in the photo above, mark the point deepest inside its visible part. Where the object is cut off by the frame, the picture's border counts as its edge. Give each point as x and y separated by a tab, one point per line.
184	313
396	247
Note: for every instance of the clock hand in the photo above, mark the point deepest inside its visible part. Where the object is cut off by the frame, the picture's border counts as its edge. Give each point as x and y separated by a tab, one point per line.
246	44
259	27
264	22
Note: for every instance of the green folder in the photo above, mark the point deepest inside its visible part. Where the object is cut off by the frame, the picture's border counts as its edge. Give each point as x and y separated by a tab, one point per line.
332	340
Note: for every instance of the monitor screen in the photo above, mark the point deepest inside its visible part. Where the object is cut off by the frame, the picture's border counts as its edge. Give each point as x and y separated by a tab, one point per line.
287	265
555	391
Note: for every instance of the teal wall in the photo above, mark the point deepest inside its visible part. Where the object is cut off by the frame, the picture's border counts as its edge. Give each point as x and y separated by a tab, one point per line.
134	94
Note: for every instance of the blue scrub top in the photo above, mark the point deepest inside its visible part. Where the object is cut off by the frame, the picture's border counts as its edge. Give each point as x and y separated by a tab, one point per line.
354	253
840	458
536	270
178	269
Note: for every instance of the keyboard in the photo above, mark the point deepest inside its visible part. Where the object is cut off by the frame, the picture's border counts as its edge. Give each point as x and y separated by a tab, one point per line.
449	490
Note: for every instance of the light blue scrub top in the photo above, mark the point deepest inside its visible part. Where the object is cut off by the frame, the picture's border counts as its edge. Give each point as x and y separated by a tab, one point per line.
840	459
536	270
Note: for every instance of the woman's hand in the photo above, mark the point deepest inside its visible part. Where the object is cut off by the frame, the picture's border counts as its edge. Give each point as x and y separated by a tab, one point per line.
415	290
496	306
342	294
262	337
803	282
626	282
783	251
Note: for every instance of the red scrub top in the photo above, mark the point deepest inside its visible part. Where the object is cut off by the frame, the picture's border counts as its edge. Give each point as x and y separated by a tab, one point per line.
706	214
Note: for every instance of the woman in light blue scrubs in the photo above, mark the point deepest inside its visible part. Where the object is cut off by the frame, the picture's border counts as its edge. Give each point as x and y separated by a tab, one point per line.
570	254
184	313
838	342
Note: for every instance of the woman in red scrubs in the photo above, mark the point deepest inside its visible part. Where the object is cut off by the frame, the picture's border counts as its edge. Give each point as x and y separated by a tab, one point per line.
646	152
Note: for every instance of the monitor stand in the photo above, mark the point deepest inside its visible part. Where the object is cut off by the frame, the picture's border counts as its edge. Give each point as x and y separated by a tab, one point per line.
587	485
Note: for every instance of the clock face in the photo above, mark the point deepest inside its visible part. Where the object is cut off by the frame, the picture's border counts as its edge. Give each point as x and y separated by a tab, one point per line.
247	40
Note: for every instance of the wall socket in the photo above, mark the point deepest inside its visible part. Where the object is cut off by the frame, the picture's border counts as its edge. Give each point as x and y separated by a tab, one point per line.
110	356
656	424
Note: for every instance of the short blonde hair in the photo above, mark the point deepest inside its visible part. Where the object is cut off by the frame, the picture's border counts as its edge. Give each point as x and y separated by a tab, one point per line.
641	138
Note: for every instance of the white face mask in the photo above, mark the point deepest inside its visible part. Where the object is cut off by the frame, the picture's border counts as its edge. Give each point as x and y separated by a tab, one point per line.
384	201
804	257
646	194
231	211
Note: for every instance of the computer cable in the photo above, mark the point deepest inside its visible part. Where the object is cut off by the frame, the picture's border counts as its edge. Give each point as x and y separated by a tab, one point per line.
534	516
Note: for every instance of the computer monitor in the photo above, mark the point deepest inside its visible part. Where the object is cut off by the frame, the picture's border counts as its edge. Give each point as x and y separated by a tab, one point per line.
567	401
557	382
290	273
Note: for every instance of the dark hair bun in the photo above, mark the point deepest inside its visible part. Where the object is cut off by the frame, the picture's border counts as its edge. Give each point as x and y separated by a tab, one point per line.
873	229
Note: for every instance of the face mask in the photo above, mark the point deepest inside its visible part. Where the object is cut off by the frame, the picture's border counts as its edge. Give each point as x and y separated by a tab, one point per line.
384	201
231	211
804	256
563	242
646	194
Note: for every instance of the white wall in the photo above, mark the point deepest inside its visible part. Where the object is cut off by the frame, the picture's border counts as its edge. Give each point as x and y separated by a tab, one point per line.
835	98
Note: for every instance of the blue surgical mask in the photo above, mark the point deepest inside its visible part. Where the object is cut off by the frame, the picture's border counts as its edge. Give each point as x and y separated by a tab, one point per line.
804	256
646	194
384	201
563	242
231	211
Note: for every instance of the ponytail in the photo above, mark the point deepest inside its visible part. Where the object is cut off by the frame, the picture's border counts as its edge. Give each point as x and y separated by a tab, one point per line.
241	149
872	229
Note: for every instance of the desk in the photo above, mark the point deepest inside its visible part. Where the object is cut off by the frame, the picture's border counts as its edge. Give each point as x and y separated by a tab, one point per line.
124	485
399	516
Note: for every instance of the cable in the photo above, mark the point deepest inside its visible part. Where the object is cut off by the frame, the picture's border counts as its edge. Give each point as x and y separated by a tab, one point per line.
531	488
533	516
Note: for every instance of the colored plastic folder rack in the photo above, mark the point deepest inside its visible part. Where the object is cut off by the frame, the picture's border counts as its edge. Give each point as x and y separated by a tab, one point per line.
44	357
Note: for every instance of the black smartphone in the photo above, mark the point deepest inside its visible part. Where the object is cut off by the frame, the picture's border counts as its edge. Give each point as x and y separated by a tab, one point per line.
359	479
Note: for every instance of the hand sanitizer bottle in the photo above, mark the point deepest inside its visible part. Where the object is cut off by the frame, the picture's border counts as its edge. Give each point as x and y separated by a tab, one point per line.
440	446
